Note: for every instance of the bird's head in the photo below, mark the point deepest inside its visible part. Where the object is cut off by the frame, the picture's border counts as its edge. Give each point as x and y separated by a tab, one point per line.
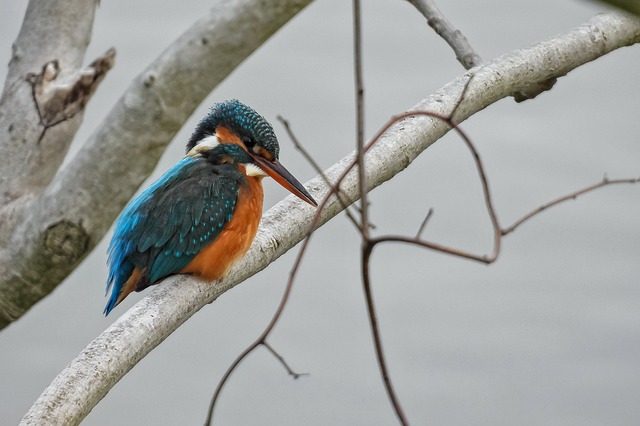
232	122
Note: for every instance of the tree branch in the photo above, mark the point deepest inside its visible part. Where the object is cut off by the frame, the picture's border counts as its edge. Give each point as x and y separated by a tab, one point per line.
445	29
365	246
44	75
345	203
283	361
111	355
571	196
86	196
465	54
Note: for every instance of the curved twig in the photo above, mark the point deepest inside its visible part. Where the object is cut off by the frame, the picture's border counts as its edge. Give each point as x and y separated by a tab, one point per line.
571	196
283	361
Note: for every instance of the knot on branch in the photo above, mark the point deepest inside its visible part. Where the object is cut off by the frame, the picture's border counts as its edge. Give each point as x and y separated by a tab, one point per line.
65	242
57	101
534	90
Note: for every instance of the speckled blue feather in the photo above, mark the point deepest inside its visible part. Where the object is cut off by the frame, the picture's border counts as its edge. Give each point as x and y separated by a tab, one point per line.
167	225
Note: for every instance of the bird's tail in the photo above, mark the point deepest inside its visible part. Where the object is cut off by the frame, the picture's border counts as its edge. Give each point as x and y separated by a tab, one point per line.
120	291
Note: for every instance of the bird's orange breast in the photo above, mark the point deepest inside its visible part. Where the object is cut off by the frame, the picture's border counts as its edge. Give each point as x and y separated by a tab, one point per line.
233	242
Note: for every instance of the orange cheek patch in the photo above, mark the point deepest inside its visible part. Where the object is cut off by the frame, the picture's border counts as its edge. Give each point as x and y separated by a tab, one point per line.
227	136
264	153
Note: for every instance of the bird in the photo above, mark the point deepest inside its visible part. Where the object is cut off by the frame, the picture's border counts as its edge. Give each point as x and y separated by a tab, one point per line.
202	215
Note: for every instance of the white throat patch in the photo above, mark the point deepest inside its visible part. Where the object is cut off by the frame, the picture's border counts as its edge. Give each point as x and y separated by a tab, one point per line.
253	170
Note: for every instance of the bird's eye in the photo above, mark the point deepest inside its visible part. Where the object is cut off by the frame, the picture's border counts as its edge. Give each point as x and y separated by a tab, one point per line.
248	142
225	160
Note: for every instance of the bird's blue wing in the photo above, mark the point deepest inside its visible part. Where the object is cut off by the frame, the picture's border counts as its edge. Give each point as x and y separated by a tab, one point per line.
192	223
168	224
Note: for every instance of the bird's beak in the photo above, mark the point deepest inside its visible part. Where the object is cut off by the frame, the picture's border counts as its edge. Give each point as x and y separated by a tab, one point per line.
284	178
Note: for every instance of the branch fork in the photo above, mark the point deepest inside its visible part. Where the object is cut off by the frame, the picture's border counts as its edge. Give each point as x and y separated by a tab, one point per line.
58	100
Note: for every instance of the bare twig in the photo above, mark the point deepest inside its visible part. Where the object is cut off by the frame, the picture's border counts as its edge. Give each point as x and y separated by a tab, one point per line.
423	225
302	149
346	202
282	361
375	330
364	215
283	301
498	231
465	54
451	116
445	29
359	95
261	340
485	189
571	196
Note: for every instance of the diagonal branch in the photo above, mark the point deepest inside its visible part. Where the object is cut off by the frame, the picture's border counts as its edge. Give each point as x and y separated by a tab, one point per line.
283	361
318	169
559	200
445	29
111	355
465	54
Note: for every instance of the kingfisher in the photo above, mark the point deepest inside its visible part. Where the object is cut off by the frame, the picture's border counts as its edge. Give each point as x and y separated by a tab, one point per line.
202	215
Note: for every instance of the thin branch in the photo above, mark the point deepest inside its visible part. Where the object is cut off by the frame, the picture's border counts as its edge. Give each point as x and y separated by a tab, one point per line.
485	190
423	225
359	96
571	196
497	230
433	246
261	340
465	54
315	223
283	361
335	190
375	330
225	377
451	116
364	214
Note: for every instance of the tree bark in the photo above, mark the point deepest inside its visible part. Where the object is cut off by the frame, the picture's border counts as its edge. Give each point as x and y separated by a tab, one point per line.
43	97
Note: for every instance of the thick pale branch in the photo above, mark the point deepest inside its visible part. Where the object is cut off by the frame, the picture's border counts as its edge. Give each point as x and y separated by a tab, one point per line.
108	358
40	107
53	29
83	200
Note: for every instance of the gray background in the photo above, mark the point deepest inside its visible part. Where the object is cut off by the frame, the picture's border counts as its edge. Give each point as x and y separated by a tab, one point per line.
547	335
